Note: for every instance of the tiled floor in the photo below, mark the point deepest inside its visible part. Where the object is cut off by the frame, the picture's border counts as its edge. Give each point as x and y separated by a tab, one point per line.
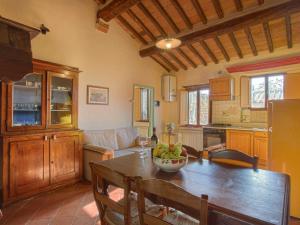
73	205
69	206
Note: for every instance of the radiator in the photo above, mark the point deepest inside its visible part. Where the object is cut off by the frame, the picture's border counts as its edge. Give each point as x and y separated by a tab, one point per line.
192	137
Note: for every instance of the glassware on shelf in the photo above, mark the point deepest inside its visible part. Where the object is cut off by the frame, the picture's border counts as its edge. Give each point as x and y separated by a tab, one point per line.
61	100
27	98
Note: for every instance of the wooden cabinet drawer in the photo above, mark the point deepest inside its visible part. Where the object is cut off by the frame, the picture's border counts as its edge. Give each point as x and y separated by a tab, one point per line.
263	134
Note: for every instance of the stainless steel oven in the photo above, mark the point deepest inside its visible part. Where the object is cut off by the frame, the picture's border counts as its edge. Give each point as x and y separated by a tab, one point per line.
214	137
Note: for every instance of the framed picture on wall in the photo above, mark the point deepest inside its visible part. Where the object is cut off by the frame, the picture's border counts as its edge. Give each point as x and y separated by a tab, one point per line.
97	95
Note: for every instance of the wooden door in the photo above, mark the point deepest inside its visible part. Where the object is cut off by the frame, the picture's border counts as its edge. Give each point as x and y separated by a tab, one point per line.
64	158
29	166
240	140
261	147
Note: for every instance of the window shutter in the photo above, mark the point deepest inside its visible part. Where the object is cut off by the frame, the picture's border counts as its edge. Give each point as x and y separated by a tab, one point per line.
245	92
183	107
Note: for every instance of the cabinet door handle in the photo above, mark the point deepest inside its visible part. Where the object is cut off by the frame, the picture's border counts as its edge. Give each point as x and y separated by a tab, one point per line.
52	162
54	137
46	138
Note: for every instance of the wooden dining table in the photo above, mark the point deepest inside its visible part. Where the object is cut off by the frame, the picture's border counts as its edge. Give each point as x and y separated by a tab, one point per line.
236	195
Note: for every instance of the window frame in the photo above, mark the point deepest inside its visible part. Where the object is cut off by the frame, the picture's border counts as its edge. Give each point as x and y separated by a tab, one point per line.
198	88
266	76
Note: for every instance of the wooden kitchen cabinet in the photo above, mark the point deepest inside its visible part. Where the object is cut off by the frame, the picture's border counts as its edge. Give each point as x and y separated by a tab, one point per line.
41	145
260	147
29	165
64	158
250	143
240	140
221	88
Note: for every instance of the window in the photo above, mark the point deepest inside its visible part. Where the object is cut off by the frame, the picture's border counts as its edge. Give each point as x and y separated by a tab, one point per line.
198	106
264	88
144	104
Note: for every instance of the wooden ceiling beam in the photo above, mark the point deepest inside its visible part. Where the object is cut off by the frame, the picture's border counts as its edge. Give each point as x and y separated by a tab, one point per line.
141	24
289	36
185	56
251	40
238	5
235	44
268	36
196	53
161	64
199	11
167	17
218	8
131	29
179	62
221	47
209	52
167	62
239	20
182	14
153	20
115	8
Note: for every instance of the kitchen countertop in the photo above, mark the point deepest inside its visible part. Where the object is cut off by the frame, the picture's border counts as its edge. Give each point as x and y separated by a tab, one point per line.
237	128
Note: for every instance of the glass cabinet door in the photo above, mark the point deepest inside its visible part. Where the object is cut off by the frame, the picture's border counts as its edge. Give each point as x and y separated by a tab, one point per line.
26	102
61	100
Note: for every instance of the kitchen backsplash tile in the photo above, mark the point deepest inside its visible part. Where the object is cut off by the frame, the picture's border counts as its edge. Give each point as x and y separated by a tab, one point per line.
231	112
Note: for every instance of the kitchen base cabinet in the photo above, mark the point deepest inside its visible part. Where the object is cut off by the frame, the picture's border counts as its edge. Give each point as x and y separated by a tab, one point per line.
260	145
240	140
250	143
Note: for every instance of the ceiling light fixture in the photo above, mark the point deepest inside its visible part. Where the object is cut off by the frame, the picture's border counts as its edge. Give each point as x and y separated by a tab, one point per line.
168	43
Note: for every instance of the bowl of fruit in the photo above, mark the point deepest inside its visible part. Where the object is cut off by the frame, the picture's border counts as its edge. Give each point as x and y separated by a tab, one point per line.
169	158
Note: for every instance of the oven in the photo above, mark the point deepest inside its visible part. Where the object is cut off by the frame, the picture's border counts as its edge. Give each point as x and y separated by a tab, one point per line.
214	138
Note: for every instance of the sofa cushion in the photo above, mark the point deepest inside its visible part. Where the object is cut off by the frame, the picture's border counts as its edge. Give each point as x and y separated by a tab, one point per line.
102	138
126	137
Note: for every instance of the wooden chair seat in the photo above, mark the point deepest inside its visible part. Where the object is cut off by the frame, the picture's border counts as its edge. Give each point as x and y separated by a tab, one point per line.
180	218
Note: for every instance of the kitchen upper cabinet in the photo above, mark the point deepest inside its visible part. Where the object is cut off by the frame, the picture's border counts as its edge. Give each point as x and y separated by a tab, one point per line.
240	140
64	158
221	88
29	165
260	145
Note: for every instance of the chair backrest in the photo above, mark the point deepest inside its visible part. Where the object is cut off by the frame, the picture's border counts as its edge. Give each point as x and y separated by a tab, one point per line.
193	152
102	177
176	197
233	155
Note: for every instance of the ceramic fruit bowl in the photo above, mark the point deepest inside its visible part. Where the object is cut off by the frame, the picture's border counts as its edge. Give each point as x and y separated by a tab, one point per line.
170	165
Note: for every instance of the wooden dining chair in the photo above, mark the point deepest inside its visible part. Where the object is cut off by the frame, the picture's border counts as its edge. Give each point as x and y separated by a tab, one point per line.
177	198
234	155
124	211
192	152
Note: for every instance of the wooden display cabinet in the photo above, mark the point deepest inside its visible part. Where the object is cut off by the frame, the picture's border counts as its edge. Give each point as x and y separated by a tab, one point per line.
41	146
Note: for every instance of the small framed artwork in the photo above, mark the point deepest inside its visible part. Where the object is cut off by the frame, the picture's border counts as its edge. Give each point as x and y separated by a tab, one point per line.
97	95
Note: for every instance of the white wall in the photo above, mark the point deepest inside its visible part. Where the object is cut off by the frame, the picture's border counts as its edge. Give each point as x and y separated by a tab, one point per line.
109	60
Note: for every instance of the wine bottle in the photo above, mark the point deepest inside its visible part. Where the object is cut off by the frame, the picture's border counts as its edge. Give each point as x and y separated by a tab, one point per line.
154	139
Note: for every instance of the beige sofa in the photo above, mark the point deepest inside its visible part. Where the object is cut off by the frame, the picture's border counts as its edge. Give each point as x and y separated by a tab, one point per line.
106	144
